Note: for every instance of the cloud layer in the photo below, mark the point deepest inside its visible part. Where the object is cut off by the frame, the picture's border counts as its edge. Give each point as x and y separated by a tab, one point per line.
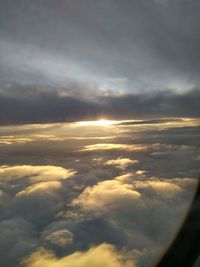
115	46
67	197
42	106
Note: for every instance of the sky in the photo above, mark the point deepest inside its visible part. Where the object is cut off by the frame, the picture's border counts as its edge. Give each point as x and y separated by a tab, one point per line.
99	129
95	54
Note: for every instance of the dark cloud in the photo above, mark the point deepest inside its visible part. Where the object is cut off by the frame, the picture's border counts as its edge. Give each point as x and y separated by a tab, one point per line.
18	238
49	106
105	53
121	46
45	107
154	121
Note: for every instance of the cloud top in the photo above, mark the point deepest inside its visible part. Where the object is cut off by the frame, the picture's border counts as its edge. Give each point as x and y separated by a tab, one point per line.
104	255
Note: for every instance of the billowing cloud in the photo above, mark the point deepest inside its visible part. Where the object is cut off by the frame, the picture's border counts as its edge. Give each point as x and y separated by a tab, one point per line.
164	189
33	193
140	207
104	255
57	201
127	189
35	173
106	194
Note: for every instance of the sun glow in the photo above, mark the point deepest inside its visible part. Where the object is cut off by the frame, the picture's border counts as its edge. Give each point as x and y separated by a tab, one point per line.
101	122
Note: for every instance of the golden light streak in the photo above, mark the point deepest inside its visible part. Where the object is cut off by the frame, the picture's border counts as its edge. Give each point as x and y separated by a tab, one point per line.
101	122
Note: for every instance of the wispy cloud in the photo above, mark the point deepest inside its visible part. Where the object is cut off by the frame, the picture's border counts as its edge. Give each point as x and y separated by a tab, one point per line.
107	146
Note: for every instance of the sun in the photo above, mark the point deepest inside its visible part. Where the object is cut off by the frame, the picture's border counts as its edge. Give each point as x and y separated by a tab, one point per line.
101	122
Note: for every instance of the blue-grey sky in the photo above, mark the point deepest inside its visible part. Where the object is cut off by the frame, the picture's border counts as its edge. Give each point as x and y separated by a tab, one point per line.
109	44
90	49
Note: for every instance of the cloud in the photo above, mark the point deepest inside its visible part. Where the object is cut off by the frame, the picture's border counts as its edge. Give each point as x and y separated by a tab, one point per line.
23	139
8	140
34	193
140	172
18	238
127	190
197	157
143	46
60	238
104	255
107	146
121	163
106	194
154	121
40	187
35	173
58	234
51	107
67	202
163	189
140	207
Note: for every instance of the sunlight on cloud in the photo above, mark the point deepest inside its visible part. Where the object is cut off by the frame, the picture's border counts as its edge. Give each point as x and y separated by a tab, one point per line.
101	122
163	123
121	163
163	189
40	187
35	173
128	191
104	255
114	147
9	140
140	172
105	194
